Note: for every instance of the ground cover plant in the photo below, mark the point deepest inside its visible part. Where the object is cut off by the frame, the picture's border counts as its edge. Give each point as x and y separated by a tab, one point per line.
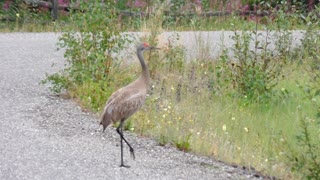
257	108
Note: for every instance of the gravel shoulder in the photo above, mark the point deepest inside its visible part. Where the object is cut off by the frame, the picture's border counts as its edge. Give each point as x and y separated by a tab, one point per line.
47	137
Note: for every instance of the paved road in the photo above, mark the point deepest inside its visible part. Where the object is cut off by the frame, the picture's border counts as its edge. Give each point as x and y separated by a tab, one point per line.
47	137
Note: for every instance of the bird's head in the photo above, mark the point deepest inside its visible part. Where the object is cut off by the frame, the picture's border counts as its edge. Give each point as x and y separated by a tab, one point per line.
145	46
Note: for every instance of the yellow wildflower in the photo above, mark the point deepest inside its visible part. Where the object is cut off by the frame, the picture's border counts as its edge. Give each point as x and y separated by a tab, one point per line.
224	127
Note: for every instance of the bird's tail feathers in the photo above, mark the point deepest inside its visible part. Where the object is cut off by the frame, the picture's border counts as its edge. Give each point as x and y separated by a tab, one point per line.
105	121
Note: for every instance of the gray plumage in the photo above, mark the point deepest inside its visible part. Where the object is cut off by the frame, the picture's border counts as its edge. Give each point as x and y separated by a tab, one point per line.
127	100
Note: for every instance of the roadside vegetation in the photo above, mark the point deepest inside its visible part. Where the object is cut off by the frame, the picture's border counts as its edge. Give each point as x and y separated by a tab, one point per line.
254	106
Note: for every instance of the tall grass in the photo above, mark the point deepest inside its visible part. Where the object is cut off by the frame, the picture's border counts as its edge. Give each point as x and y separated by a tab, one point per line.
187	111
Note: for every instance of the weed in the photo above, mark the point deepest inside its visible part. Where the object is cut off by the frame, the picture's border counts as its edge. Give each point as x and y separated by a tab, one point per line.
174	54
306	160
163	140
59	82
183	144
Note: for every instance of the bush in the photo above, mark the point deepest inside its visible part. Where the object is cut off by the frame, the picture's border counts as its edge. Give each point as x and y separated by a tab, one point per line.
88	50
252	72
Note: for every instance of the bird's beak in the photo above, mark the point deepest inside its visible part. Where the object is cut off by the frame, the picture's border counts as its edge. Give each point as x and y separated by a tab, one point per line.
154	48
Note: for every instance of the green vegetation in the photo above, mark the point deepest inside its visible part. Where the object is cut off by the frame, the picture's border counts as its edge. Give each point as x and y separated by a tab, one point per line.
258	108
305	158
20	17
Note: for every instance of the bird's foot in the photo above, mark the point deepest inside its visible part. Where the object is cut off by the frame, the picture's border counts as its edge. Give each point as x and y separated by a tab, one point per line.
125	166
132	153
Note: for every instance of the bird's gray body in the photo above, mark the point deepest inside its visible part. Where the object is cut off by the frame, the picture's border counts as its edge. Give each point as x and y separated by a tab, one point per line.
125	102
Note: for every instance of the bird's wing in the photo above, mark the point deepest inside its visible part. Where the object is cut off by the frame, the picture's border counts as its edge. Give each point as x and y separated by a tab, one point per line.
114	95
122	104
106	117
128	102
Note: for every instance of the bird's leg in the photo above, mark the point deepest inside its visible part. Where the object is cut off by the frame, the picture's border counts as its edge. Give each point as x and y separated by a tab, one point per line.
121	145
119	130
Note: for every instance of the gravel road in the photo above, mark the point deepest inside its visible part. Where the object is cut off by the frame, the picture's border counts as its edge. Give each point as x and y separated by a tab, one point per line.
46	137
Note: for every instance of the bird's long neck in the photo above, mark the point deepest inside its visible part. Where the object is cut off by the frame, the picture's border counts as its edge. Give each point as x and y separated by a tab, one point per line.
145	71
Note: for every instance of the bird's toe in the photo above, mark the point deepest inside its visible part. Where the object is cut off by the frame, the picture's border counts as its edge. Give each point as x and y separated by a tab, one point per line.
125	166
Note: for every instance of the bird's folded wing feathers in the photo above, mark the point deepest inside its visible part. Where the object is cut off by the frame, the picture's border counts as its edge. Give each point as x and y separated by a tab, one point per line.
125	103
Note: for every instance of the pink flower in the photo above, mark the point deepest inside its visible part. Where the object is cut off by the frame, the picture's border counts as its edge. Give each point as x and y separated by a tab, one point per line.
197	2
6	5
63	2
245	9
139	3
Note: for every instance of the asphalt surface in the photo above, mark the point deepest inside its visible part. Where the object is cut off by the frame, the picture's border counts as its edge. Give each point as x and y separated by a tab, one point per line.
43	136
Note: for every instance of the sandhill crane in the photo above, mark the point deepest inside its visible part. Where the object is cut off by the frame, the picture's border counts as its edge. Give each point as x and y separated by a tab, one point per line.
127	100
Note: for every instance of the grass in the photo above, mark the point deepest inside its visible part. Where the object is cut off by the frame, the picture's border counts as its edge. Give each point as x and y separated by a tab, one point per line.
223	127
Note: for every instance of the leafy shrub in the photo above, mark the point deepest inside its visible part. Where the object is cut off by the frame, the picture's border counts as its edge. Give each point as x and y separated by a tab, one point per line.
88	52
254	65
174	55
59	82
252	72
